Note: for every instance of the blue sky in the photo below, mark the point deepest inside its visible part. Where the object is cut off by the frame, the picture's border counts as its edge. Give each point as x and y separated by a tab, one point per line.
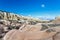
35	8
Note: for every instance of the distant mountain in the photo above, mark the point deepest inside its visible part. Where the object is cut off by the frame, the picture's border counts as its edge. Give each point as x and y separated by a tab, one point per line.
46	18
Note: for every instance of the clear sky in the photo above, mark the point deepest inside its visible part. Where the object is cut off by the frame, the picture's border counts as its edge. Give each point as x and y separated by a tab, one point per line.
36	8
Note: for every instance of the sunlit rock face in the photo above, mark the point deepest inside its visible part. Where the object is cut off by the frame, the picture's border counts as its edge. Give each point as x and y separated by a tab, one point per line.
12	16
7	15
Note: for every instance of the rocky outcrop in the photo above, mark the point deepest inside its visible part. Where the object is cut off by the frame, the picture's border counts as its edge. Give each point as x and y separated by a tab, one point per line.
17	35
56	20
